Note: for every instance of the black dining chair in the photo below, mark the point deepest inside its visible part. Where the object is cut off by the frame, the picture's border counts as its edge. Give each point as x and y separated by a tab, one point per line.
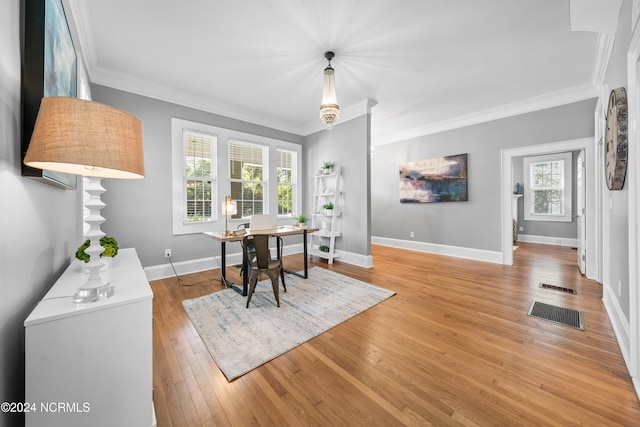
260	262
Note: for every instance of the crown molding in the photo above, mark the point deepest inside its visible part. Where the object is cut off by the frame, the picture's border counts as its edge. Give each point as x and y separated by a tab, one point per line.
604	47
176	96
554	99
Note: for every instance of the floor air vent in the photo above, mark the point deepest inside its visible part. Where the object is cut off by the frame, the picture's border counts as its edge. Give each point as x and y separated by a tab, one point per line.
558	288
552	313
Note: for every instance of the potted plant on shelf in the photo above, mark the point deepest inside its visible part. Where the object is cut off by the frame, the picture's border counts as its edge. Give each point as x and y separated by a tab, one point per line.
328	208
327	168
301	220
323	248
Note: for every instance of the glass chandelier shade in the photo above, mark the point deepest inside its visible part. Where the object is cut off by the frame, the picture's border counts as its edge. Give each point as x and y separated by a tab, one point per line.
329	110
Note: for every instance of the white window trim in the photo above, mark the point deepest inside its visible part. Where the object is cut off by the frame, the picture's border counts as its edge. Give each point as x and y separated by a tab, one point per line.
567	191
295	174
177	182
222	178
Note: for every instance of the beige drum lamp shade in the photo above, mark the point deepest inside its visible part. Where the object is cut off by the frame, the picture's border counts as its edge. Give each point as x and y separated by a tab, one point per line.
86	138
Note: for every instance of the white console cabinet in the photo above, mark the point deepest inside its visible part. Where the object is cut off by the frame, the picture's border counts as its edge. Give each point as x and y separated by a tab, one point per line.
91	364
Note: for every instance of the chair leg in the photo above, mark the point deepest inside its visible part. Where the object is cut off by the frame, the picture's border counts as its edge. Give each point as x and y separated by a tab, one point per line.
252	286
275	286
282	277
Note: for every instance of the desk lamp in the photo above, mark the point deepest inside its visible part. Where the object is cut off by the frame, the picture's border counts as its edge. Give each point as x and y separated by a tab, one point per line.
90	139
229	207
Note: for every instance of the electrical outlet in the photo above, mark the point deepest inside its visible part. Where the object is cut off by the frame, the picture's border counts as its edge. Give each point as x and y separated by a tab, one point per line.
521	228
411	234
167	253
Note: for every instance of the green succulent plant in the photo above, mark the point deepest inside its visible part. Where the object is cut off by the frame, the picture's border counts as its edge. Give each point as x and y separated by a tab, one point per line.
109	244
302	218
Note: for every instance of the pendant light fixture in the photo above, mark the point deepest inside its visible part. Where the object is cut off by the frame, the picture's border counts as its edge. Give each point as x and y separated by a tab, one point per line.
329	110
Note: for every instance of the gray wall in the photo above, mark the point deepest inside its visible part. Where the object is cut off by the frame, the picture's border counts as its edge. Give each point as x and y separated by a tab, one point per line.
616	229
567	230
39	224
348	145
474	224
138	212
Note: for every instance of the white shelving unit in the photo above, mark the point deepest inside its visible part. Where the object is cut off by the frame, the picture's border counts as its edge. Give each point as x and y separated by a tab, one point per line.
326	190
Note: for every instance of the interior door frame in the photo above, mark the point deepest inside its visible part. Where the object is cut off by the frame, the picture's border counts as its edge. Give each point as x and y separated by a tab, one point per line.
586	144
580	213
633	178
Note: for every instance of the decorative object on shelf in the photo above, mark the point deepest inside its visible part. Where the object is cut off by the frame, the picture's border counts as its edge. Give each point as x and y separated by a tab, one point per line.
327	168
616	140
301	220
329	110
109	244
326	190
441	179
328	208
517	189
323	248
229	208
89	139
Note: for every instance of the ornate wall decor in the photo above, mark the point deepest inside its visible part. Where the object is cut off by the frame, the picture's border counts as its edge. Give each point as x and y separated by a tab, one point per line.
616	140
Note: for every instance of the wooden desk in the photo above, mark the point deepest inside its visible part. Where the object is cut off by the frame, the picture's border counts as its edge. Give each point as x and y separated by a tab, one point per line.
286	230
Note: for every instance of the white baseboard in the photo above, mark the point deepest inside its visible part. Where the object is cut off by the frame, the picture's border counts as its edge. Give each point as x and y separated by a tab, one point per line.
364	261
547	240
455	251
619	322
163	271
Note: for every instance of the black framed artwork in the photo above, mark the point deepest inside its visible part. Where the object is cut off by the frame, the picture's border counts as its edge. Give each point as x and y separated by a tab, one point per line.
49	68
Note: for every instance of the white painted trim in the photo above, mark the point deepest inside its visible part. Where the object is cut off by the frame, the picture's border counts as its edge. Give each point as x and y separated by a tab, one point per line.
434	248
555	99
364	261
618	322
592	215
633	182
548	240
599	121
163	271
603	54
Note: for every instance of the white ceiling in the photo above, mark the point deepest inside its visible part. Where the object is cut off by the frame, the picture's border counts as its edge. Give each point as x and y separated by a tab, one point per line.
426	64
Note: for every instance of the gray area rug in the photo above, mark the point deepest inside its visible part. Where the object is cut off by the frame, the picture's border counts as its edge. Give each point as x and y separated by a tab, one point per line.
241	339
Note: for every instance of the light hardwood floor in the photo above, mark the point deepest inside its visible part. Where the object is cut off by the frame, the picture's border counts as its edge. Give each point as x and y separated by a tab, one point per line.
453	347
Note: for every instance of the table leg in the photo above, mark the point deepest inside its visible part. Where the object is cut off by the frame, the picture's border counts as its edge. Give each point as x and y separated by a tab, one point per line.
223	262
306	256
223	272
305	274
245	272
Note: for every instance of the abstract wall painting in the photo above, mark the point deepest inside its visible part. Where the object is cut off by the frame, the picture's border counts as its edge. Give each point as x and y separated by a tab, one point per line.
441	179
49	64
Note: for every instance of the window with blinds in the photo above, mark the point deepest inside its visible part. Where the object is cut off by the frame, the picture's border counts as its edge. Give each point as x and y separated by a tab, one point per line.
248	177
286	172
199	176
